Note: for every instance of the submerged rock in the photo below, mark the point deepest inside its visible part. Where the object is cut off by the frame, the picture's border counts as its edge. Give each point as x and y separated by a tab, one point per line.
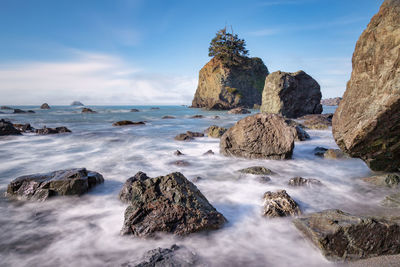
341	236
126	123
387	179
76	103
168	117
88	110
40	187
181	163
257	170
197	117
56	130
7	128
366	124
169	204
291	94
331	101
223	86
134	110
215	131
259	136
45	106
176	256
239	110
300	181
317	121
279	204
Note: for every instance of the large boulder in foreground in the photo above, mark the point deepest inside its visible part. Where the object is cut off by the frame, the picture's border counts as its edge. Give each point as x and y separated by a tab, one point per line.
223	86
341	236
291	94
366	124
261	136
169	204
43	186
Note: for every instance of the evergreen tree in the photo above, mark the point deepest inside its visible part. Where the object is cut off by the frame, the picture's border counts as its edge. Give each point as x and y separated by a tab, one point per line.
228	47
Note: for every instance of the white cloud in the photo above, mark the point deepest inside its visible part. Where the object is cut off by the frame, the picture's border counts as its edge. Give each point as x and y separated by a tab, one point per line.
92	79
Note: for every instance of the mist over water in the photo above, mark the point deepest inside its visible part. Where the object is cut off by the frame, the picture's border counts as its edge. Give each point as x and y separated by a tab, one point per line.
84	231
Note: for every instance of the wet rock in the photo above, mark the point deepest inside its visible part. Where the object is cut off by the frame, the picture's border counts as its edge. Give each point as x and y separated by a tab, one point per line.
224	86
330	153
279	204
178	153
76	103
45	106
301	134
7	128
125	195
366	124
181	163
188	136
217	117
20	111
300	181
169	204
176	256
342	236
56	130
259	136
88	110
197	117
331	101
320	151
40	187
239	111
134	110
5	107
126	123
24	128
215	131
256	170
291	94
168	117
317	121
209	152
195	134
387	179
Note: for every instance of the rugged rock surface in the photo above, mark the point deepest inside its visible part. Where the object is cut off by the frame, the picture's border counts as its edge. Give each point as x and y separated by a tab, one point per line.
300	181
239	110
317	121
125	123
291	94
7	128
259	136
56	130
188	136
40	187
256	170
45	106
331	101
280	204
76	103
223	86
88	110
125	194
176	256
387	179
341	236
20	111
170	204
366	124
215	131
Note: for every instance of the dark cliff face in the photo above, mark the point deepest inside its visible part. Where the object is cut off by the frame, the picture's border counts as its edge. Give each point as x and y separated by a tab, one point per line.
367	122
223	86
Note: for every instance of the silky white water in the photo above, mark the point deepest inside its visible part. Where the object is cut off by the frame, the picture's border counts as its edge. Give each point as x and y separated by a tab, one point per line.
84	231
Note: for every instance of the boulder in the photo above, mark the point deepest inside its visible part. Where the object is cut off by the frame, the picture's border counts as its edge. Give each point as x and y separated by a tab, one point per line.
169	204
88	110
225	86
176	256
300	181
168	117
41	187
45	106
317	121
134	110
188	136
260	136
341	236
239	110
279	204
291	94
76	103
331	101
7	128
366	124
257	170
20	111
125	123
56	130
215	131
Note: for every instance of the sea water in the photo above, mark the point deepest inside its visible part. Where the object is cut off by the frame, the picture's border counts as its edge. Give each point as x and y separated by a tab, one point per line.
84	231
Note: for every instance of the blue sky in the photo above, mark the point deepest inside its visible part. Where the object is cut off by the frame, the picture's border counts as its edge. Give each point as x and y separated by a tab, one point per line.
150	52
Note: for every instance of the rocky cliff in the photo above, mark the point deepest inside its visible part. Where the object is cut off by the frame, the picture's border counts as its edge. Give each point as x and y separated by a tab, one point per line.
223	86
367	122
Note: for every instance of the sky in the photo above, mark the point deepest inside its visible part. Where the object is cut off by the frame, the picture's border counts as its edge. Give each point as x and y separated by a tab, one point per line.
138	52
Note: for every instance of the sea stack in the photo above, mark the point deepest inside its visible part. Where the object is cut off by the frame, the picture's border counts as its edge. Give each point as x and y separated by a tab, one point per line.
366	124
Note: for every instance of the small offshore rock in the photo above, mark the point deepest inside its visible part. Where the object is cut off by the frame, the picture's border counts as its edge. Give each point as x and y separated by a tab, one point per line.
209	152
76	103
217	117
330	153
168	117
300	181
197	117
181	163
169	204
88	110
317	121
40	187
257	170
239	111
7	128
188	136
134	110
45	106
155	108
56	130
215	131
279	204
178	153
125	195
341	236
5	107
18	111
126	123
